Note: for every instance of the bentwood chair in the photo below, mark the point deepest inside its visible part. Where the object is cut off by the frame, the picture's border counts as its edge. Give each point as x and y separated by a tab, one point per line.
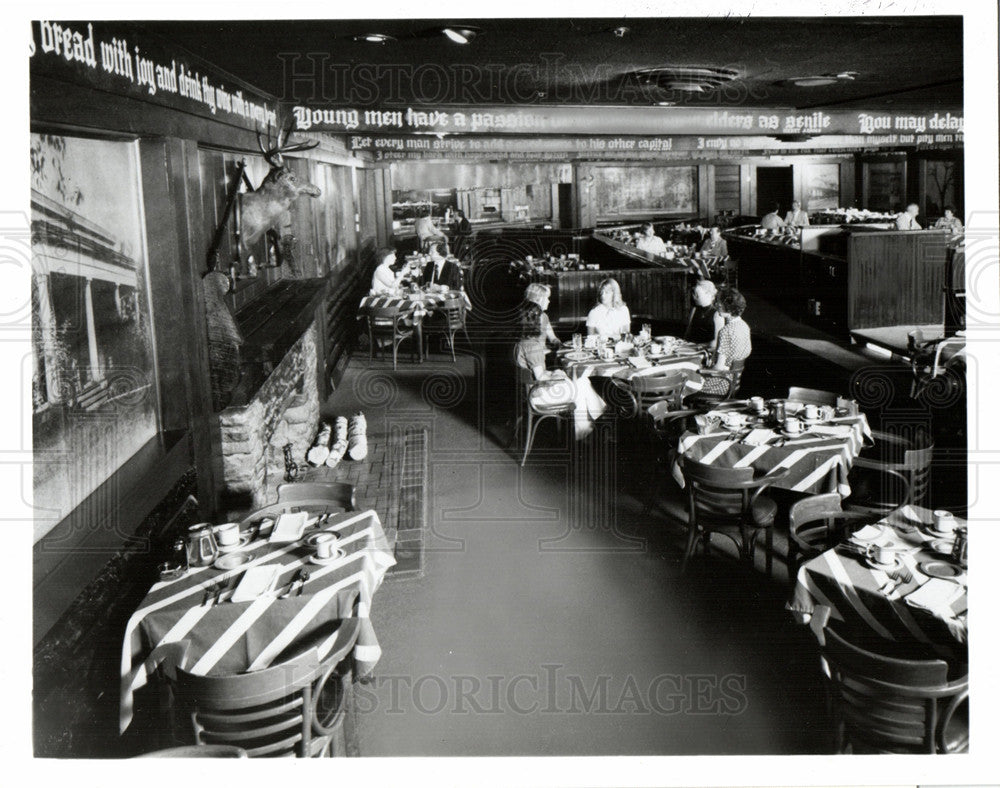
729	501
196	751
812	396
666	427
884	704
339	494
816	524
448	319
643	391
707	400
898	475
537	413
388	324
301	708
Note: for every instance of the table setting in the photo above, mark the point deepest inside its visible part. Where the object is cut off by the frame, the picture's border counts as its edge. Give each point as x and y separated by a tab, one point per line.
629	356
240	597
816	443
905	578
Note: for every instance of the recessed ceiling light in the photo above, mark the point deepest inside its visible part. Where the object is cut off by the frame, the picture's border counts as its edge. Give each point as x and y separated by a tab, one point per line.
813	82
374	38
621	32
461	35
666	103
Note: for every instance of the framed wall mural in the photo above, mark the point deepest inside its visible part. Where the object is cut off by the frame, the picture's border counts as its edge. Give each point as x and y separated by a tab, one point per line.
624	191
821	186
93	375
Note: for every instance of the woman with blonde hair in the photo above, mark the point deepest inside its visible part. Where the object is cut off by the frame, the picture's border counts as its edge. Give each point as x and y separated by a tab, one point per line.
537	293
610	318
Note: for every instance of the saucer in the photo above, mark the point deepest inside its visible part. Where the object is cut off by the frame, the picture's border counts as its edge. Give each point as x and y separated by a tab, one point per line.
942	546
873	564
788	434
577	355
323	561
230	548
233	561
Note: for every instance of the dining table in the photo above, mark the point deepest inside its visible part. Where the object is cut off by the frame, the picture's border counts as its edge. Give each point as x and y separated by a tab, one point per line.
818	458
415	303
626	361
194	621
920	597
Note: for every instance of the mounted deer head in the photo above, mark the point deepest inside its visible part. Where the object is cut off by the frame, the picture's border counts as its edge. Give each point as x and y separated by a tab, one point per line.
262	208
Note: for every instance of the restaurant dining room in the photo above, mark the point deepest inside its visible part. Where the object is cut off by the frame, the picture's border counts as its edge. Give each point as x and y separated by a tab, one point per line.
458	386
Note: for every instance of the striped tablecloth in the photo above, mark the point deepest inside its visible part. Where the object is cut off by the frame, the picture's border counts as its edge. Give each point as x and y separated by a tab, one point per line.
843	581
816	463
230	638
620	368
415	304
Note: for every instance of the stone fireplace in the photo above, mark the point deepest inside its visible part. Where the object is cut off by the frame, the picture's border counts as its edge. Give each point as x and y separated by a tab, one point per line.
284	410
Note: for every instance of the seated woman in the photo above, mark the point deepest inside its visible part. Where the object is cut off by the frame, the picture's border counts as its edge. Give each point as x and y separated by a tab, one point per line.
734	339
705	321
537	293
529	353
385	280
610	318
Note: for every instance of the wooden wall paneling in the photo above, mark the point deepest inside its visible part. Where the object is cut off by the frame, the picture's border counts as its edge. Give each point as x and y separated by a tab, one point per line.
848	174
726	180
748	189
706	191
895	278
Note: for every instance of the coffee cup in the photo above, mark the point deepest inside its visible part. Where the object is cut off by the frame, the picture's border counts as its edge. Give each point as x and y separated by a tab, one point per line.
757	403
324	545
793	426
811	411
944	521
228	534
879	554
733	420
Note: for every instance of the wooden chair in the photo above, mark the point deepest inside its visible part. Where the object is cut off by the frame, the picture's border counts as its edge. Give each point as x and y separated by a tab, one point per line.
448	319
643	391
198	751
388	323
816	524
666	427
729	501
284	710
706	401
812	396
887	704
898	476
339	494
538	413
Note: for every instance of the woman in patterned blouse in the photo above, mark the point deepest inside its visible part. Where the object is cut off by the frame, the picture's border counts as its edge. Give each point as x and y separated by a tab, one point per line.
734	339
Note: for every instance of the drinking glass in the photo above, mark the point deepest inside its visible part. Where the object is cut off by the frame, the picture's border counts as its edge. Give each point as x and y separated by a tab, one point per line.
577	342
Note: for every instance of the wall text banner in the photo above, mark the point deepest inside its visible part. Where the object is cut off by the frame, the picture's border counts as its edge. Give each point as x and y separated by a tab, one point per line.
427	145
122	59
649	121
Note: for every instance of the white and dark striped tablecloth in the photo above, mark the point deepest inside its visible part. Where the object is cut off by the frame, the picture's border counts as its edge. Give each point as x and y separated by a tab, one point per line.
620	368
816	463
230	638
841	580
414	304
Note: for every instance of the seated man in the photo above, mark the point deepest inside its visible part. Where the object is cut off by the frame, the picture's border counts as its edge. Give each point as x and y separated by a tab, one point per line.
650	242
949	221
441	271
797	217
771	221
427	232
907	220
715	245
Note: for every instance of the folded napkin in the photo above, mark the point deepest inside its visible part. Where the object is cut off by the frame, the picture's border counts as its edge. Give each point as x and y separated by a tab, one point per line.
936	596
758	437
590	341
793	407
256	580
706	422
639	362
831	430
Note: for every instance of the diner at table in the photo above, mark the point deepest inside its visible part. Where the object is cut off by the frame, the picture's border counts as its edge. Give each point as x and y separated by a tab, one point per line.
610	317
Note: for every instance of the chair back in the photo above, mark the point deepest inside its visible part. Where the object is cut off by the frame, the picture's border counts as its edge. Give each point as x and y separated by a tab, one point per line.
658	387
917	465
452	310
812	396
716	496
813	523
339	494
384	319
283	710
198	751
887	704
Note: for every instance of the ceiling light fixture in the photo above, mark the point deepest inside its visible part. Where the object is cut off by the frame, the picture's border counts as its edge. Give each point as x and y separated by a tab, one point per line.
621	32
374	38
461	35
821	80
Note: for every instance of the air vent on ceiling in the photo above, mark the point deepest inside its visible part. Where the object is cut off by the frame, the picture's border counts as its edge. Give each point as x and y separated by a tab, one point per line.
687	79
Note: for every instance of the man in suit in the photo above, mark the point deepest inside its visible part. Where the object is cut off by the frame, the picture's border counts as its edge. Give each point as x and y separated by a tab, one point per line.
771	221
797	217
440	271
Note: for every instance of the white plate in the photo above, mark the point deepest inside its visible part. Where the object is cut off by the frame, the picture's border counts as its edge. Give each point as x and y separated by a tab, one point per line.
943	546
322	561
233	561
578	355
940	569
